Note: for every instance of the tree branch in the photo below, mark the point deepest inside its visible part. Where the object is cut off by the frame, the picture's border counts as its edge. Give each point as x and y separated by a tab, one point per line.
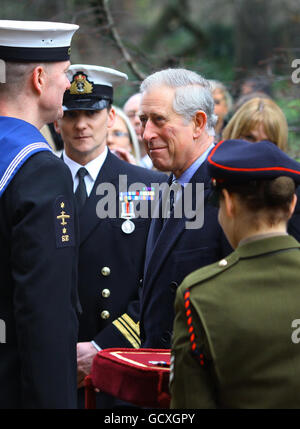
115	34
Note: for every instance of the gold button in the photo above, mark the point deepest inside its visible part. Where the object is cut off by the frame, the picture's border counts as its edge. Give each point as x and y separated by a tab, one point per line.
223	263
105	271
105	314
105	293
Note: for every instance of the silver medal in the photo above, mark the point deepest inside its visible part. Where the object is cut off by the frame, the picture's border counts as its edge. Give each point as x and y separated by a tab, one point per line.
128	227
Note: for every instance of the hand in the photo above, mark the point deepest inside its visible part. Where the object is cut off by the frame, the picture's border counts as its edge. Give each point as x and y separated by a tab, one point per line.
85	355
124	155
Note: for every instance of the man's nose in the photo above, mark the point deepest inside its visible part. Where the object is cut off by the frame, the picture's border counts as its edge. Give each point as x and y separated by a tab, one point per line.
81	122
148	131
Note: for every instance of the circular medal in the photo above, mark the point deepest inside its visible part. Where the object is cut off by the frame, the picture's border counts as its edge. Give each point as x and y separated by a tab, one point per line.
128	227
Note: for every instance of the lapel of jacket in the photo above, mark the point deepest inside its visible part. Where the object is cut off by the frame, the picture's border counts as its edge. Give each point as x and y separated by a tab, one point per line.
170	232
88	218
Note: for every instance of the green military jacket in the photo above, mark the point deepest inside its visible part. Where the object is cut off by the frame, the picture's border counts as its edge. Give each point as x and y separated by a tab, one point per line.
233	337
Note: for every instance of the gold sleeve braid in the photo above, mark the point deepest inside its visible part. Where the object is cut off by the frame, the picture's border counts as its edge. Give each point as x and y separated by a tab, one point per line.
129	329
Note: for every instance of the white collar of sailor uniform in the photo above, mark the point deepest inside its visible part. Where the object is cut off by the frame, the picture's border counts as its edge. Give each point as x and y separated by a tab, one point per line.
93	167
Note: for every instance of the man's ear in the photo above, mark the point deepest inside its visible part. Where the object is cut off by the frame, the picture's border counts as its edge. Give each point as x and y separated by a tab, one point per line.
111	117
38	78
200	120
56	126
292	205
230	204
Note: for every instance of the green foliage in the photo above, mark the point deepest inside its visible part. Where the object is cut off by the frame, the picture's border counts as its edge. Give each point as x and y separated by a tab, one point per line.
291	109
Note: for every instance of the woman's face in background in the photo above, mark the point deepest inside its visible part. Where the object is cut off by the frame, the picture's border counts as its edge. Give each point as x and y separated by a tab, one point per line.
118	135
257	134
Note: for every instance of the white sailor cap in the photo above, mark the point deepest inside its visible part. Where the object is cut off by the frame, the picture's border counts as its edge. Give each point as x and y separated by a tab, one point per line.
91	87
33	41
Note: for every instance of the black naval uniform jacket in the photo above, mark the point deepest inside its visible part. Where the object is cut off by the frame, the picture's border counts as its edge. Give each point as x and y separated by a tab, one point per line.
173	252
111	263
38	296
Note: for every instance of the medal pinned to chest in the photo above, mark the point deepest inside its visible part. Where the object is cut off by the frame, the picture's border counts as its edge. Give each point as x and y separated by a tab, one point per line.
127	213
127	206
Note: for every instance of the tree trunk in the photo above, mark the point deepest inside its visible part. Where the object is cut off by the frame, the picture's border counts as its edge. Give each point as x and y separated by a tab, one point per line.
253	44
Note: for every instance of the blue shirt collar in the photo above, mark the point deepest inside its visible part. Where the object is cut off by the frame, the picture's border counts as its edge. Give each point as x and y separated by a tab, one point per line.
189	173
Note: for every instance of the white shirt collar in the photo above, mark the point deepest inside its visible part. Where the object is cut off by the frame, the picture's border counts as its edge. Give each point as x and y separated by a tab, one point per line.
93	167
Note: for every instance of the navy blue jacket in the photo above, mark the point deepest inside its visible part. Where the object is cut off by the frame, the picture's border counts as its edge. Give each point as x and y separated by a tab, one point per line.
111	262
38	297
173	251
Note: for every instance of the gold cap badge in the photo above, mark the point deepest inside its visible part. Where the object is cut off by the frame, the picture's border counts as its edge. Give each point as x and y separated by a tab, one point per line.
80	84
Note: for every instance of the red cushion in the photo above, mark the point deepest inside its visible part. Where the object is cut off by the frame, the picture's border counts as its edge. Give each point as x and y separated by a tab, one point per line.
128	374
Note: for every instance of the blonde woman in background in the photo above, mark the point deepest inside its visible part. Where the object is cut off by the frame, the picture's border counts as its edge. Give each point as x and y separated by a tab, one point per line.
262	119
258	119
122	139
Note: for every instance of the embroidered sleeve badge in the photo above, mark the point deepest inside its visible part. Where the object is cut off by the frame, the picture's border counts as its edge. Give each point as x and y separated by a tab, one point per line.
64	222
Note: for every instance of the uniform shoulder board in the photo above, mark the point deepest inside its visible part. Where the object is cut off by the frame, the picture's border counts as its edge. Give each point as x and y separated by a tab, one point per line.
211	270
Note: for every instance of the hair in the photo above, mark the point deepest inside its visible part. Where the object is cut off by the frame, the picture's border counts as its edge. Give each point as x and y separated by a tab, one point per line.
16	75
273	197
131	132
217	85
192	93
259	111
246	97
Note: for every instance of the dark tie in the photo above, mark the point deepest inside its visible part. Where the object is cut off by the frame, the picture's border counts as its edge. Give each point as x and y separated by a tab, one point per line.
171	200
81	194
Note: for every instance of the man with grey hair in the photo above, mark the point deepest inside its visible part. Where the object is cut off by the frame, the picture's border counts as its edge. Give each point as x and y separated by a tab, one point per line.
177	116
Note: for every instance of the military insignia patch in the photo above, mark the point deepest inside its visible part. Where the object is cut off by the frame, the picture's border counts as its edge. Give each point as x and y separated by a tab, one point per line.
80	84
64	222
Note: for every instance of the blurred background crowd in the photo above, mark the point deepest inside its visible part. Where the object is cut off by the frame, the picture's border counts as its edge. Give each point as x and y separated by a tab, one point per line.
245	48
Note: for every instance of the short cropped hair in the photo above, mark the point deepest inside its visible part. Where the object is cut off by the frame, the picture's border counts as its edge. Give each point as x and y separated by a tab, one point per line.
15	77
272	197
192	93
